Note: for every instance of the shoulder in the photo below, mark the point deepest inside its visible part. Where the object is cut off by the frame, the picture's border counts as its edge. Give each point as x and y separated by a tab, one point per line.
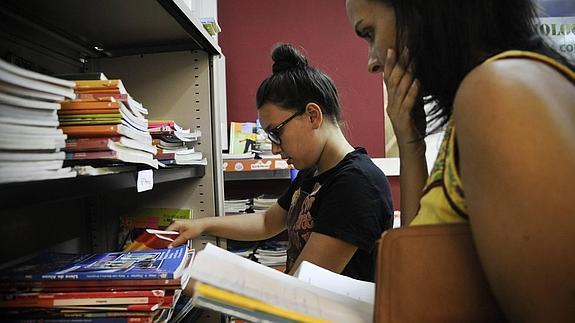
515	86
524	91
359	175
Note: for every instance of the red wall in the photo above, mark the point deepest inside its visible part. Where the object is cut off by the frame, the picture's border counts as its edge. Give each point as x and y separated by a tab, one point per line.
250	28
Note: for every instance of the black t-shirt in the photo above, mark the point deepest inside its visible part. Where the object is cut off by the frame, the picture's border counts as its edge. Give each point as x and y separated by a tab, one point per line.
351	202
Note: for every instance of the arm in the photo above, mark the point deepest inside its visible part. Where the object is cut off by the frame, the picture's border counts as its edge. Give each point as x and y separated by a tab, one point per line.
315	252
515	123
256	226
403	92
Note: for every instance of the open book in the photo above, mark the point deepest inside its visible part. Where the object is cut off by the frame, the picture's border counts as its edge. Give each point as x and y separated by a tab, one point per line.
240	287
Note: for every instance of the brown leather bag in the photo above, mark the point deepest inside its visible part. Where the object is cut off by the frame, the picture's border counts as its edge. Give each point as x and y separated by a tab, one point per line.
431	273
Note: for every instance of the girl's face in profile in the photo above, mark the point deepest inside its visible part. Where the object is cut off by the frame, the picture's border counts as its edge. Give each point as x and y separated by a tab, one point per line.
296	144
373	21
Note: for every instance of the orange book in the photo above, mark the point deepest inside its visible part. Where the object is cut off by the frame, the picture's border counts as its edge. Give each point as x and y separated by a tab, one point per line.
82	85
95	103
91	131
88	111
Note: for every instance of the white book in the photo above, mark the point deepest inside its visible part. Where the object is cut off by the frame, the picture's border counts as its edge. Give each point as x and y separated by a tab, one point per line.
51	144
129	131
37	176
7	76
202	161
29	156
133	144
35	75
222	269
21	112
29	93
27	103
32	165
323	278
30	121
116	146
136	107
23	129
139	123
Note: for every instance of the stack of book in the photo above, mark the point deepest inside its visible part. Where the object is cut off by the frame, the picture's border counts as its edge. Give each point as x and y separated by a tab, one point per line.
237	206
264	202
272	254
129	286
175	144
31	143
105	125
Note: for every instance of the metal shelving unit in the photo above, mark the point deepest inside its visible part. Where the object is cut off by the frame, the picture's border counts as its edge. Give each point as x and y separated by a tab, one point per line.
164	57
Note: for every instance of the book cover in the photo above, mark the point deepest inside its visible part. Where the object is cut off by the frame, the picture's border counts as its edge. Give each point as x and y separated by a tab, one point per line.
84	298
131	265
254	288
18	76
91	103
89	131
242	137
88	144
134	224
100	86
153	239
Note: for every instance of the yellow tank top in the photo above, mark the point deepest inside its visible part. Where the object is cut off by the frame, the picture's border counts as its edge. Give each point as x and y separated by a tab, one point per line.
443	199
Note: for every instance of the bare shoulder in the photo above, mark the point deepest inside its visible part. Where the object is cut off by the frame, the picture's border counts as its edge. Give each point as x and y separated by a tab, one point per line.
515	86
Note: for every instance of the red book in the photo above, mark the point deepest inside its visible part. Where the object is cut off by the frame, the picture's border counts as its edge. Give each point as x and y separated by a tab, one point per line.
50	300
152	239
162	155
117	308
89	144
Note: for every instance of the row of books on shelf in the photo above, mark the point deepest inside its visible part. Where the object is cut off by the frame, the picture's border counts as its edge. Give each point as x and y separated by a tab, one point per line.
250	205
50	124
138	284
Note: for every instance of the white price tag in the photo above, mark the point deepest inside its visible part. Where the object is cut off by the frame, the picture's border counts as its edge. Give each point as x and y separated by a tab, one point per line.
145	180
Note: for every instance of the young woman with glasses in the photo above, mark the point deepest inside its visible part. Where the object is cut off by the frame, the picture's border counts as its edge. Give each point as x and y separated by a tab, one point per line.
506	100
340	202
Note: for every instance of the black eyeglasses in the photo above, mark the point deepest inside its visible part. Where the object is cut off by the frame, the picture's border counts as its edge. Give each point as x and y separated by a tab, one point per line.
274	133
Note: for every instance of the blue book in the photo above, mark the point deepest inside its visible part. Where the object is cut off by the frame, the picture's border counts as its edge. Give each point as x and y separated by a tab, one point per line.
130	265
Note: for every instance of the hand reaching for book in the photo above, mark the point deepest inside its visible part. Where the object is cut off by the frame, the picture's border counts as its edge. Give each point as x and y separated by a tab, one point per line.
188	229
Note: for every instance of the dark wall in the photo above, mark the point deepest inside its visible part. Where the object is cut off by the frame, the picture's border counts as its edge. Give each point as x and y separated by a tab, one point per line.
250	29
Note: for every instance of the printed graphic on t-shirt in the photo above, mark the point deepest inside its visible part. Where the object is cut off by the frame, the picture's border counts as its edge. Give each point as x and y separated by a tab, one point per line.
300	222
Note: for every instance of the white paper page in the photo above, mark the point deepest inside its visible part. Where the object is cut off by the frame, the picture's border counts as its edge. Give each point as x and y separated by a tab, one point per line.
223	269
323	278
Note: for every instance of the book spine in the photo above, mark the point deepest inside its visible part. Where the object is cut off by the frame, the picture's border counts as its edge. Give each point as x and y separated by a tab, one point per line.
91	155
108	276
91	131
69	105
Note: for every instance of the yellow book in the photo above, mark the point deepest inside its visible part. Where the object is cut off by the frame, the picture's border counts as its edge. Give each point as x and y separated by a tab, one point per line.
225	297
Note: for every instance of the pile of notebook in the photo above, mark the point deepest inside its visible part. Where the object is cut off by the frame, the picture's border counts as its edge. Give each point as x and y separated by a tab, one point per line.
141	286
30	142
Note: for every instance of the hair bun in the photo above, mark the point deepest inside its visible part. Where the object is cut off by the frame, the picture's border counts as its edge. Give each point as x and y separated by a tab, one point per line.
286	56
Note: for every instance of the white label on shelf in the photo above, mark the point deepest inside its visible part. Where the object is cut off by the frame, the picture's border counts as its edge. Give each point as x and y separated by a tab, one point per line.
145	180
